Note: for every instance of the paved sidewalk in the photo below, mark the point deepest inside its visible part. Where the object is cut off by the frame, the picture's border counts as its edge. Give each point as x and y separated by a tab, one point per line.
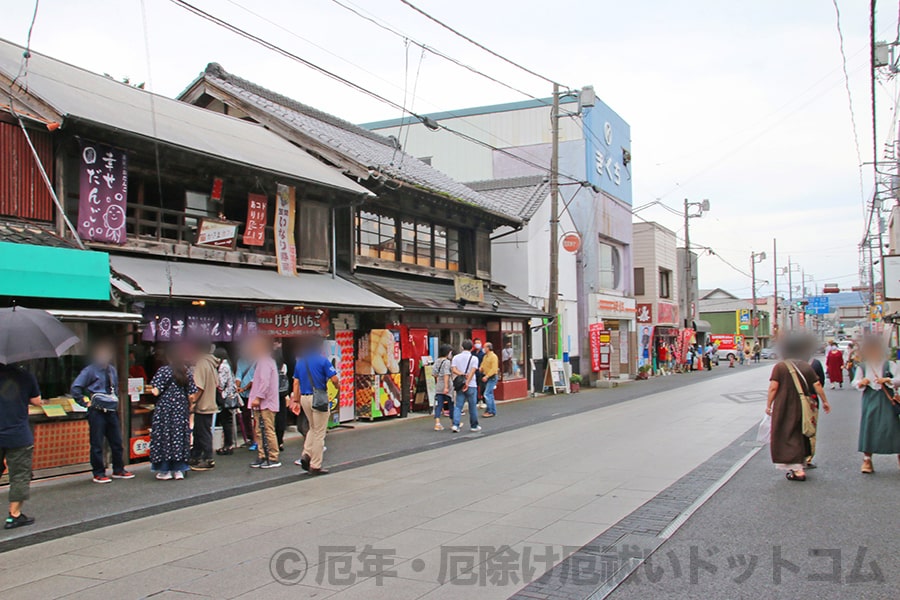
95	505
545	490
761	536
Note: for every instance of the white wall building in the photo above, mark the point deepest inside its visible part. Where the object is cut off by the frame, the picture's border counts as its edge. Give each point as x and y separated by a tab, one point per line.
595	202
656	287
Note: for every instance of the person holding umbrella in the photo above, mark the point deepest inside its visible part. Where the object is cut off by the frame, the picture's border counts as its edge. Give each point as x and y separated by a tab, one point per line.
25	334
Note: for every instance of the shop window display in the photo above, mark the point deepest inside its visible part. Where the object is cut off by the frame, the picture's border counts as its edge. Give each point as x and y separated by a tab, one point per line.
512	357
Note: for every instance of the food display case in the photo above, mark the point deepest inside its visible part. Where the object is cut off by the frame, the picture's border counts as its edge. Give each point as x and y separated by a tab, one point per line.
378	379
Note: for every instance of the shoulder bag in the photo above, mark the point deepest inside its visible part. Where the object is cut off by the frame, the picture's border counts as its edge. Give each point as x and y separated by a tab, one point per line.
461	382
320	396
891	394
810	410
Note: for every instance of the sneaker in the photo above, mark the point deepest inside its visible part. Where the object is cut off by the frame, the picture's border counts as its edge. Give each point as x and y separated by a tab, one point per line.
257	463
270	465
303	462
164	476
476	429
123	475
179	475
455	429
253	447
102	479
20	521
203	465
193	462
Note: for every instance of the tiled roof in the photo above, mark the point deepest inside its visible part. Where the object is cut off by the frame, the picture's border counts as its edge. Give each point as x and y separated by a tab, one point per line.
419	293
361	146
25	232
519	196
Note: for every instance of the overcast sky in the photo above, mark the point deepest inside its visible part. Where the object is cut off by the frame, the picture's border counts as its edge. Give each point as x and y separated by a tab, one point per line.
740	102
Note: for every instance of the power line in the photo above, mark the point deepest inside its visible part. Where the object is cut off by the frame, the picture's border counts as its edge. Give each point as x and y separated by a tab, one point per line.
23	66
359	12
479	45
840	32
340	79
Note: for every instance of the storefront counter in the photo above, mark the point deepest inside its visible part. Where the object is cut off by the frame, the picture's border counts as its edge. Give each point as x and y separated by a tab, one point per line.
61	444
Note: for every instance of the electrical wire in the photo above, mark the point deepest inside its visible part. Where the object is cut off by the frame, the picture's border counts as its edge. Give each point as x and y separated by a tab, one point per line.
23	66
840	32
340	79
386	27
482	46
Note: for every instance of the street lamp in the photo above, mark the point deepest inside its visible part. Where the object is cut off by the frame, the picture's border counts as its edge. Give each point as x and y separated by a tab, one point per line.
755	258
701	207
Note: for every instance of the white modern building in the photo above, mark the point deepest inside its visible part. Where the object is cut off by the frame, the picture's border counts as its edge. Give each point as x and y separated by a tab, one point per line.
594	199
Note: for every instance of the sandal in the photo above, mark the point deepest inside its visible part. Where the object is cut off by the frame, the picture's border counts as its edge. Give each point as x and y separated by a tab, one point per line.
810	465
792	476
225	451
867	467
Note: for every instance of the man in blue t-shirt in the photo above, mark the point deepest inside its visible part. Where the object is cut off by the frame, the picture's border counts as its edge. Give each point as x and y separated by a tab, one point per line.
18	389
312	362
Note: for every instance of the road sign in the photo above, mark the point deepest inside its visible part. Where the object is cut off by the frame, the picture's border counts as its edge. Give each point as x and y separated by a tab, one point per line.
818	305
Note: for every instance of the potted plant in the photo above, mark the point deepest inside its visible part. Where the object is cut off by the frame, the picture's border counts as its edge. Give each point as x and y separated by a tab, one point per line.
575	383
644	372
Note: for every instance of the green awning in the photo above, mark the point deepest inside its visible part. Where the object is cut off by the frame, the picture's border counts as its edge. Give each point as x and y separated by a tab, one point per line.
29	271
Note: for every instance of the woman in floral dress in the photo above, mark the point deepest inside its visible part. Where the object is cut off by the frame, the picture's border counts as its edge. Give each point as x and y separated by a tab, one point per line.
170	433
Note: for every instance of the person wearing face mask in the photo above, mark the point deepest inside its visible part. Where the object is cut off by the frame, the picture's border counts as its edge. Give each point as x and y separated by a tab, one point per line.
97	388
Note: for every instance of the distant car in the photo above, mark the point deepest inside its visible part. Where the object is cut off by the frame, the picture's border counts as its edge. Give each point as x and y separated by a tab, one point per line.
844	345
768	353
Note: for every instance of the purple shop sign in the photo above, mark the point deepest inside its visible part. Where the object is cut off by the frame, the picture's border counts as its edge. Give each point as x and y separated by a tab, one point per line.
168	324
103	193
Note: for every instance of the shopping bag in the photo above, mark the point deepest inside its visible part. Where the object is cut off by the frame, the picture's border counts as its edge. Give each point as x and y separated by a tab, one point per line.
764	432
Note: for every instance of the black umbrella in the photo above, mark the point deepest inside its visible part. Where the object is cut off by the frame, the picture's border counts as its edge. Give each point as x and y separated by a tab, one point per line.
27	333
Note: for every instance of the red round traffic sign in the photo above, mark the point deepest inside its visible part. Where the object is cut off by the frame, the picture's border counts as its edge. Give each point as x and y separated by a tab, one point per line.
571	242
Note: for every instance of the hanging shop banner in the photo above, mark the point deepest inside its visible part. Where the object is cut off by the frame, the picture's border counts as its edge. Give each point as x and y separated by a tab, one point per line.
172	324
255	232
686	339
346	402
594	330
605	337
103	193
214	233
284	321
285	217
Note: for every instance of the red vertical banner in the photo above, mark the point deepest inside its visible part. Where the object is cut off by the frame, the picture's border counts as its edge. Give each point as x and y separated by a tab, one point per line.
216	193
255	231
594	331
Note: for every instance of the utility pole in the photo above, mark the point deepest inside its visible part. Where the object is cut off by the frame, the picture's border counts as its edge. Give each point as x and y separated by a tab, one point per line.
703	207
790	292
754	313
553	300
775	307
688	288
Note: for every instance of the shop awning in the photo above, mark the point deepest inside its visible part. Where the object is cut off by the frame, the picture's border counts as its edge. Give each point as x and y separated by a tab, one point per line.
144	277
701	326
438	295
97	316
30	271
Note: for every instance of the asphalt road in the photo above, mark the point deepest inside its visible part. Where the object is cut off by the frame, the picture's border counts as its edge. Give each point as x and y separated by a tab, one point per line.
74	504
837	532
